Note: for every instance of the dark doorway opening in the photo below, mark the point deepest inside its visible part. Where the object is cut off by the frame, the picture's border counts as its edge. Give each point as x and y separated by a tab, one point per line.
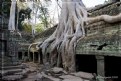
86	63
20	55
3	46
26	53
36	57
41	56
113	68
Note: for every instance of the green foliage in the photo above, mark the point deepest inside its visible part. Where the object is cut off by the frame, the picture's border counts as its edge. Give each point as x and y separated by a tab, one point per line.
39	11
39	27
43	14
27	27
22	5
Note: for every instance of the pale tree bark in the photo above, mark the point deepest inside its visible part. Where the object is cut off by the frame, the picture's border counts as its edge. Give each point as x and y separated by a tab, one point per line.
11	25
69	30
106	18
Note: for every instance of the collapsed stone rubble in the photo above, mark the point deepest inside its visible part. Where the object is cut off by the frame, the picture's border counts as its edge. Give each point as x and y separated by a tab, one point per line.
58	74
34	72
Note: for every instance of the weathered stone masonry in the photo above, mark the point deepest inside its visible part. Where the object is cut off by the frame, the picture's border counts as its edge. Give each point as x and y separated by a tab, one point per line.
102	34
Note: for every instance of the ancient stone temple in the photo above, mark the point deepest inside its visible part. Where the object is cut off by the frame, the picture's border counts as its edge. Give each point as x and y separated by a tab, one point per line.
8	46
11	44
100	50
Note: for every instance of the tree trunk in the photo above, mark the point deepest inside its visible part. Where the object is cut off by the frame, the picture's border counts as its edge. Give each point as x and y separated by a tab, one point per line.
68	32
11	25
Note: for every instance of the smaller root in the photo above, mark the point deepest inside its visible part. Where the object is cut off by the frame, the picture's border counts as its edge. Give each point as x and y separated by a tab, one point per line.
106	18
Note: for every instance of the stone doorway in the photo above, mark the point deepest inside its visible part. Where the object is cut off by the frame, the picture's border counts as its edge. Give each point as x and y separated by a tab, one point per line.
86	63
41	56
113	68
36	57
26	54
31	56
20	55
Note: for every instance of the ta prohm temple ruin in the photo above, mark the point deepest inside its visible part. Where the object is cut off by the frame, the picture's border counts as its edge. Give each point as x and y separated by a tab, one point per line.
98	52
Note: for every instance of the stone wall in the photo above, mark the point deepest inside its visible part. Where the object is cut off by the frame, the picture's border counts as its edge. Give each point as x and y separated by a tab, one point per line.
43	35
100	33
109	8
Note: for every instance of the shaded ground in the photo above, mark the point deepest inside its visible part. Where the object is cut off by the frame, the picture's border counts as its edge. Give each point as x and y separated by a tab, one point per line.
31	77
32	69
38	72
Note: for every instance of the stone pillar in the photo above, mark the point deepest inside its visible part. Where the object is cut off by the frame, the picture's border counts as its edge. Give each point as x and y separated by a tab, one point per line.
38	57
28	55
33	56
17	55
100	66
23	55
2	53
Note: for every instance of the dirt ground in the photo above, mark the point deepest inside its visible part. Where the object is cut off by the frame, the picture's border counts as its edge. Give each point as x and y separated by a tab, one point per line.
32	71
31	77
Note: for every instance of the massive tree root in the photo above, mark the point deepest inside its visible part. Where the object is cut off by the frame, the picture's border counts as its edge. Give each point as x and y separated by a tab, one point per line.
61	44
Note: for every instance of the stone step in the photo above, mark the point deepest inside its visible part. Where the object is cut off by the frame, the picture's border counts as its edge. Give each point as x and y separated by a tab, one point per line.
9	64
10	72
12	77
10	67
